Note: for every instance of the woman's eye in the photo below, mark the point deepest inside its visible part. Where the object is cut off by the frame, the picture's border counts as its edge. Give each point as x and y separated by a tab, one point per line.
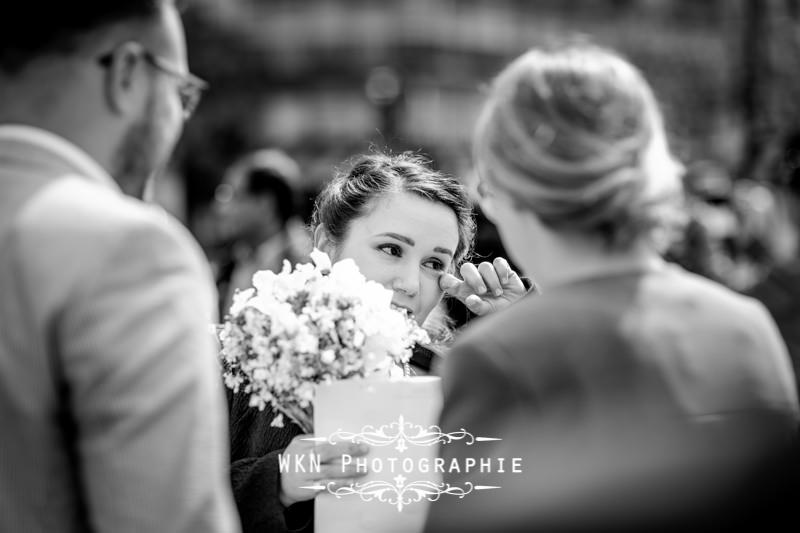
391	249
435	264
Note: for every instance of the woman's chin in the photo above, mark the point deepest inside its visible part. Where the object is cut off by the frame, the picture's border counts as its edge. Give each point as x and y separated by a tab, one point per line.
419	319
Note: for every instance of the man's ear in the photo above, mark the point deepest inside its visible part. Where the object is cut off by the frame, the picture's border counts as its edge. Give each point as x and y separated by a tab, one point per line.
323	241
121	80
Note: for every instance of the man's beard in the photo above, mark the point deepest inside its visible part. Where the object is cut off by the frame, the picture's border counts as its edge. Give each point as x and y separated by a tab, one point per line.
140	155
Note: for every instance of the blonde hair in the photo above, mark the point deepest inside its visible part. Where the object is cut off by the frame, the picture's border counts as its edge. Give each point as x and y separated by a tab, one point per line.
575	135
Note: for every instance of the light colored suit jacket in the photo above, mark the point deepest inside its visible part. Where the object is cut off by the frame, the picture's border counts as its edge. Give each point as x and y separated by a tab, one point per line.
111	405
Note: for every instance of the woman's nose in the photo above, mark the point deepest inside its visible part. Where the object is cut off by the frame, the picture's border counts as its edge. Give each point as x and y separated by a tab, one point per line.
406	282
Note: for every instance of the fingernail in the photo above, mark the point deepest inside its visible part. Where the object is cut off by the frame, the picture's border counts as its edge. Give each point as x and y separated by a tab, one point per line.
482	289
447	282
498	292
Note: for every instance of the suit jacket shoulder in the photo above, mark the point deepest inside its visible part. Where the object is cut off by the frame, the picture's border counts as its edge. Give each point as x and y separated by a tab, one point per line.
106	310
659	325
72	231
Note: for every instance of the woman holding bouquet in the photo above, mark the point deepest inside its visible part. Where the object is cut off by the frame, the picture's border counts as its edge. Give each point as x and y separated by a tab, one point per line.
409	228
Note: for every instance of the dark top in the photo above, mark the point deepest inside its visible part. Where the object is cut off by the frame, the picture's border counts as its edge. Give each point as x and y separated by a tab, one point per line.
639	399
255	475
780	293
255	446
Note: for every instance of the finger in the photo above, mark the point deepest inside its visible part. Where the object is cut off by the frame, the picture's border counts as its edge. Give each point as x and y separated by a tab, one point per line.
515	283
339	471
307	492
331	452
503	269
477	305
534	287
341	483
330	485
450	284
473	278
301	445
490	278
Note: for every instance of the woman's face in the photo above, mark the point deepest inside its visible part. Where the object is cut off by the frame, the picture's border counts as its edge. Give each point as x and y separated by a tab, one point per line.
405	242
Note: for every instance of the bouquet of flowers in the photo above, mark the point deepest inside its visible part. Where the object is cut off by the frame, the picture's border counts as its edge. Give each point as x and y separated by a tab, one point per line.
315	323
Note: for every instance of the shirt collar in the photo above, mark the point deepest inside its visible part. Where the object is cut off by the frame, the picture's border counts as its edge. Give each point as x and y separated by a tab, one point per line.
80	162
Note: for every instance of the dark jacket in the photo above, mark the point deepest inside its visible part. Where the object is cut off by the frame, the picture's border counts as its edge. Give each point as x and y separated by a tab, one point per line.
640	399
255	446
255	475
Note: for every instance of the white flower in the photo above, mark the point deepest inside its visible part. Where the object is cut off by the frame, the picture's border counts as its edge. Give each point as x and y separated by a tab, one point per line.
320	259
277	422
346	279
376	296
233	382
257	401
240	300
327	356
359	338
260	374
306	392
305	341
315	323
263	281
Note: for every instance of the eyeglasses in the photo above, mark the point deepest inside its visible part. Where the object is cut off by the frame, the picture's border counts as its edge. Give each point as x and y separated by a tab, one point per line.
190	87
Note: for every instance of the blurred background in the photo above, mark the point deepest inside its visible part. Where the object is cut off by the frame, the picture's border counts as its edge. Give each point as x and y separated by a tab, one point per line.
322	80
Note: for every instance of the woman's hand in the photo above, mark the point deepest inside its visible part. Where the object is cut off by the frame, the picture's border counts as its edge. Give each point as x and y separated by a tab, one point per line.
331	469
485	288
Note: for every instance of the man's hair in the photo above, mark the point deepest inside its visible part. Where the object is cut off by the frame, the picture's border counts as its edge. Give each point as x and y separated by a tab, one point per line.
37	29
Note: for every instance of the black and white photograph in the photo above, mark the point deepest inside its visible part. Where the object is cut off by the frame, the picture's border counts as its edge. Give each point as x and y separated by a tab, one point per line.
399	266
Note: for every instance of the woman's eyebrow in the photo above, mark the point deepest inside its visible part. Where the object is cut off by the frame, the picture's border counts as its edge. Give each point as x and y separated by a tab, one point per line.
401	238
410	242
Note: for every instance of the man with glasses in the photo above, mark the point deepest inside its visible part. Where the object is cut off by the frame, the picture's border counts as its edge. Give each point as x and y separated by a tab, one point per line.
111	405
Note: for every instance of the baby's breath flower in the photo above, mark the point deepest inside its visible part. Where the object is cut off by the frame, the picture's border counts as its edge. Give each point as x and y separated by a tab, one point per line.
315	323
240	300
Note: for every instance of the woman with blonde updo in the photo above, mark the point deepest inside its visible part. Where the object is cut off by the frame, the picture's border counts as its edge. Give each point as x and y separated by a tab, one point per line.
633	393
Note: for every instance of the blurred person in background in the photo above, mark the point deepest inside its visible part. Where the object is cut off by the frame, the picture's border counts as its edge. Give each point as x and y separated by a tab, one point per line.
635	394
707	243
259	225
737	229
765	234
113	417
779	290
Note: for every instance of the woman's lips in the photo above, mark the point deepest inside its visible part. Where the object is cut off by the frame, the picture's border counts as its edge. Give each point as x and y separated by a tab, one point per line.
403	308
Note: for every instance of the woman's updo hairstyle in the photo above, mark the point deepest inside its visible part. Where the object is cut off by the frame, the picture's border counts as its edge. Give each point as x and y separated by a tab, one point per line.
574	134
352	193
